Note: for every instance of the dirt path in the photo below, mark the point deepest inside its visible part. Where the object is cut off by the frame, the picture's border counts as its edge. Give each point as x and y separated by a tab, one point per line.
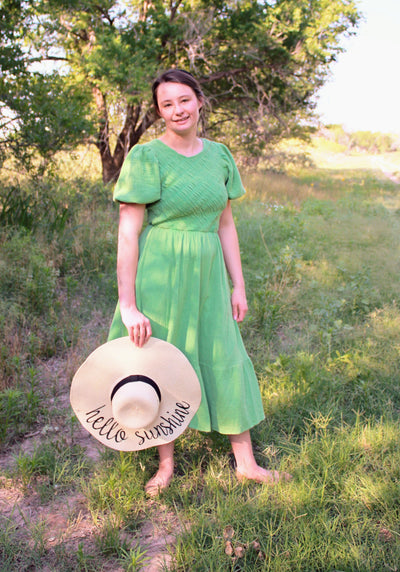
389	169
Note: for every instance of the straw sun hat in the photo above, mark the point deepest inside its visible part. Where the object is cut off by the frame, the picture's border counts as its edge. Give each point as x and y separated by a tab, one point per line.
132	398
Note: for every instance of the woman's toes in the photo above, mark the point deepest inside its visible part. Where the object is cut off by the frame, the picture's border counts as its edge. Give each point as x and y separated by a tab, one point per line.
157	484
260	475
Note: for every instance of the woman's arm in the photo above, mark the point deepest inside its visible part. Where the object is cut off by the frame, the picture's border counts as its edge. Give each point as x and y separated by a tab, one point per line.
230	248
131	217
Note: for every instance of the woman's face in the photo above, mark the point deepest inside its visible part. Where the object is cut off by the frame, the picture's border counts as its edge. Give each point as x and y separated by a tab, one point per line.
179	107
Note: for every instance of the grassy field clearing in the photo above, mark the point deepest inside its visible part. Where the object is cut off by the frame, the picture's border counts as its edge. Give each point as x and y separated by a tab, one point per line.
321	258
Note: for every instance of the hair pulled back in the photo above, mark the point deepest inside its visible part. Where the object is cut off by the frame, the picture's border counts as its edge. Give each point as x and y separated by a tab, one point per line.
177	76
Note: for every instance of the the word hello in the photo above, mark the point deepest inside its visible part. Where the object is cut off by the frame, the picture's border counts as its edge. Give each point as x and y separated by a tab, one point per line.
111	430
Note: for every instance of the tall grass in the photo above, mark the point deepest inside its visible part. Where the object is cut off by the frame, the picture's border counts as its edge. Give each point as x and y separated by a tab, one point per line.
319	251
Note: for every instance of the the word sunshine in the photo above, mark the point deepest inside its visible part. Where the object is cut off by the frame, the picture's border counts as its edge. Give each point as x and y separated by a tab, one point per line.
109	428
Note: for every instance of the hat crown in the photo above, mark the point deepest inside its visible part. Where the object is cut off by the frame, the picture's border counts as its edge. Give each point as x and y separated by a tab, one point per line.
135	404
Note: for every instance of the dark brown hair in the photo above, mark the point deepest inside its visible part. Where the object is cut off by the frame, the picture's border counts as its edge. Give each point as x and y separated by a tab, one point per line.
177	76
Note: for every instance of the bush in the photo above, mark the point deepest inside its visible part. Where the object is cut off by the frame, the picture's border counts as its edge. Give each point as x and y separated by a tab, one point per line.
27	278
372	142
55	268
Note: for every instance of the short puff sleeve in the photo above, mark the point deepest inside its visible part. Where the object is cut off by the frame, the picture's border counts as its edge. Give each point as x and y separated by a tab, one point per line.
233	182
139	180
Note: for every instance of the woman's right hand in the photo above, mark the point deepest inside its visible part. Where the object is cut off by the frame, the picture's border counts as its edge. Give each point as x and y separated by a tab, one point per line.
138	326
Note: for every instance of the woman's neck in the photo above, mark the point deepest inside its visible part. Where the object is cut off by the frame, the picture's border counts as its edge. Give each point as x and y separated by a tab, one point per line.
185	145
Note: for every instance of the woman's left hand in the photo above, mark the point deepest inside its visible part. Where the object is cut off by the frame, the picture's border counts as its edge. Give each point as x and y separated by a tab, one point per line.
239	303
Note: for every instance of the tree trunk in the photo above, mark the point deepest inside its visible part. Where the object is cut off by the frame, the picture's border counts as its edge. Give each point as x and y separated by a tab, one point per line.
129	136
109	170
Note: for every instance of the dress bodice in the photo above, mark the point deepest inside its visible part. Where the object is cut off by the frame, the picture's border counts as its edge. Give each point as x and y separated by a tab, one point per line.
181	193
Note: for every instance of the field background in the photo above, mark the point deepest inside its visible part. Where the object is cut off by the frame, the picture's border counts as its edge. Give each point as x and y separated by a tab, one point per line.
320	248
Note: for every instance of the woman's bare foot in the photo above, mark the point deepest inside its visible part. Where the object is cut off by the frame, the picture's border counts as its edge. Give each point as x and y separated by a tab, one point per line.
260	475
247	467
159	482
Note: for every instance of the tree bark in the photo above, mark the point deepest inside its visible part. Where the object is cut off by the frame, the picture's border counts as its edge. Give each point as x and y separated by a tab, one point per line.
127	138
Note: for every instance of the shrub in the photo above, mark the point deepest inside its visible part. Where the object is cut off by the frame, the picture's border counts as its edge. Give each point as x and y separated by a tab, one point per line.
372	142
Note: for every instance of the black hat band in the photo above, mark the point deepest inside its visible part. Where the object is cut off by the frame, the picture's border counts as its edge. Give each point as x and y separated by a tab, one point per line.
133	378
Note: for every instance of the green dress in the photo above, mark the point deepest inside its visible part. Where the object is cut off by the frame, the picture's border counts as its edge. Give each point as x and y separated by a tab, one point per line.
182	284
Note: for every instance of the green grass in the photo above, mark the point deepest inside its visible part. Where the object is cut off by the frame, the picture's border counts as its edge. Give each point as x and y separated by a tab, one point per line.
320	255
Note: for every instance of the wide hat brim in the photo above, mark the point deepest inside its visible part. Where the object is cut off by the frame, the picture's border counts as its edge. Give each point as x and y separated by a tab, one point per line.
168	368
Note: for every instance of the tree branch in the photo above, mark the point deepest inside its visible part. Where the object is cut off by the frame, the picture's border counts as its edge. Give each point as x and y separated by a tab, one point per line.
222	74
174	8
103	139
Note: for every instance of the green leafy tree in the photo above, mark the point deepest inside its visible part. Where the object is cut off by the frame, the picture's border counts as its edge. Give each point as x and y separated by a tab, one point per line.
41	112
260	63
12	63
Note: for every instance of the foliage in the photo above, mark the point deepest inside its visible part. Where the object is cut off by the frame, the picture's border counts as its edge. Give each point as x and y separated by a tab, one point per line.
43	114
259	63
62	466
11	54
40	112
373	142
19	410
47	255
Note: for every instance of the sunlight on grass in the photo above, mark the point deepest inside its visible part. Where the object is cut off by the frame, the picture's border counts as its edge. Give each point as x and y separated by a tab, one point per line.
323	516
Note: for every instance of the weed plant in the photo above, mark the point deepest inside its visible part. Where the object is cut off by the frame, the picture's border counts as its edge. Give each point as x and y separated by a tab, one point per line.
57	266
19	409
62	466
323	331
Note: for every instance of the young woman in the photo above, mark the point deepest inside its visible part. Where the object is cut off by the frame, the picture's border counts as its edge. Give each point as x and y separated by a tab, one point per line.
172	278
